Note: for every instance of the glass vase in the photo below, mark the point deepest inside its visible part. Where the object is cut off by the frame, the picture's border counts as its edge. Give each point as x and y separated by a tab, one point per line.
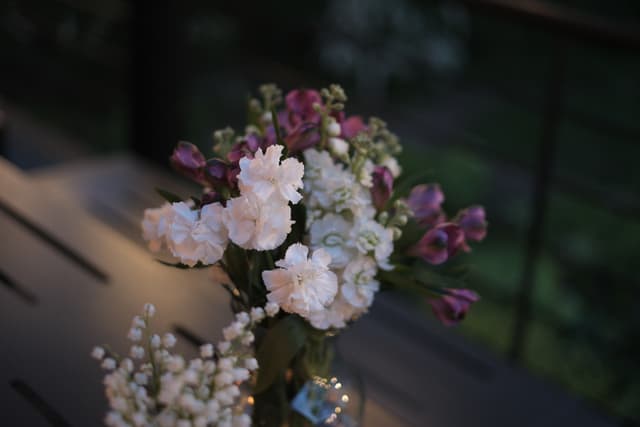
320	388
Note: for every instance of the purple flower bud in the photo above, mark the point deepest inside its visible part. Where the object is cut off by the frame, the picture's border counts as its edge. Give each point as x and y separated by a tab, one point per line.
451	308
425	202
305	135
216	172
382	186
440	243
188	160
300	106
352	126
473	222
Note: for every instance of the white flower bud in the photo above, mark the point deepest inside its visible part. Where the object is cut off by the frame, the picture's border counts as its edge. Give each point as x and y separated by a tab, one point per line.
137	352
267	117
109	364
271	308
135	334
140	378
206	351
126	365
247	338
338	146
223	378
226	364
333	128
149	310
175	364
224	346
251	364
240	374
243	318
168	340
257	314
155	341
138	322
97	353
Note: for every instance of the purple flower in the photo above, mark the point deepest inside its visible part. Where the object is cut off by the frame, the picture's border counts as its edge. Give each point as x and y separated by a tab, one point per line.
352	126
425	202
303	136
248	147
382	186
188	160
300	106
473	222
453	307
440	243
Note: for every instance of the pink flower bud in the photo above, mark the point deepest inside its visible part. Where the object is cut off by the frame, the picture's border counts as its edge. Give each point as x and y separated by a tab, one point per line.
473	222
425	202
453	307
440	243
188	160
382	186
352	126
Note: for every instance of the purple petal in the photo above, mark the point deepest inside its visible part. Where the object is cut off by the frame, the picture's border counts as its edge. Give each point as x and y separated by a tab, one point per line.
451	308
473	222
300	106
352	126
304	136
425	202
188	160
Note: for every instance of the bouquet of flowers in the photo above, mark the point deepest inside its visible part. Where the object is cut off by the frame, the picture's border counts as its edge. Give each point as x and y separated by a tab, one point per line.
306	216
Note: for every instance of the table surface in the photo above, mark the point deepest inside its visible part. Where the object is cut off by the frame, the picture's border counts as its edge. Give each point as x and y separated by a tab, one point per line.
74	270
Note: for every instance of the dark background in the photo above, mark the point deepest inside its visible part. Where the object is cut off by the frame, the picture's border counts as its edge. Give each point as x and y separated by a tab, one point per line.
529	108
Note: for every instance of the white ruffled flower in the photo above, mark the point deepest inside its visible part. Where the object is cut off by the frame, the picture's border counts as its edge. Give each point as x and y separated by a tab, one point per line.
301	285
341	192
359	284
264	175
335	316
179	235
155	225
370	237
331	233
210	234
253	224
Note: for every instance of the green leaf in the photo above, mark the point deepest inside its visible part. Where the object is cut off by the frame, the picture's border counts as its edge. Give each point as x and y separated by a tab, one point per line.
279	346
237	266
183	266
168	196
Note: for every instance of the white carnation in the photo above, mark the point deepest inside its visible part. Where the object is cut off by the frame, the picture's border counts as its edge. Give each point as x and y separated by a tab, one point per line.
335	316
301	285
359	284
253	224
155	225
210	234
179	235
331	233
370	237
264	175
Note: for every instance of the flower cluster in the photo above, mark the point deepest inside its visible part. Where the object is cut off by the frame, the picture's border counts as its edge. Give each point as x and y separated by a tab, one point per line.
313	189
154	387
